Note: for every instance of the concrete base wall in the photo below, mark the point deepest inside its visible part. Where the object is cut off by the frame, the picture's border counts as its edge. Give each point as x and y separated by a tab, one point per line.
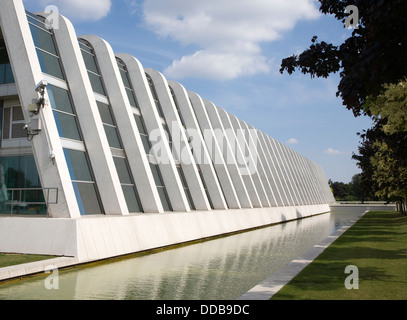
99	237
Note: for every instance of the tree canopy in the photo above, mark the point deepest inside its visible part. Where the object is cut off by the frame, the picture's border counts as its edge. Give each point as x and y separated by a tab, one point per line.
372	63
375	53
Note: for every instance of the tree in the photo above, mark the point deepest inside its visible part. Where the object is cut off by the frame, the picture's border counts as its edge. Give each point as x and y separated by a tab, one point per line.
383	160
390	173
391	104
352	191
373	67
375	53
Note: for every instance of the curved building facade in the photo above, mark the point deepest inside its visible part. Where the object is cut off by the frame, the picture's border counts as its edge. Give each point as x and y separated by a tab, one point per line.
102	157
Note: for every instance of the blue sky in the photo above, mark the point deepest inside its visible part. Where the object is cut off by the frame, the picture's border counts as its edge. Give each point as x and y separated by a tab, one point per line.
229	52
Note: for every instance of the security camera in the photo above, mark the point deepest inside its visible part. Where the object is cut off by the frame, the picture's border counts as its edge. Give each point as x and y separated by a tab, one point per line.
41	86
25	127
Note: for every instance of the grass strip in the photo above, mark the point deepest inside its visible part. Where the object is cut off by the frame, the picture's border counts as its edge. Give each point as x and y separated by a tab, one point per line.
7	260
376	245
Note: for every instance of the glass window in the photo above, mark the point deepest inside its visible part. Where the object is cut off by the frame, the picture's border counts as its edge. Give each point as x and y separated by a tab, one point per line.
18	114
8	77
6	74
7	123
46	49
160	187
131	198
122	170
65	118
112	137
155	96
146	143
164	198
156	174
177	106
20	172
67	126
36	20
105	113
96	83
43	39
13	123
128	187
50	64
59	99
87	197
78	165
83	182
125	78
90	61
132	100
185	186
17	131
92	67
140	124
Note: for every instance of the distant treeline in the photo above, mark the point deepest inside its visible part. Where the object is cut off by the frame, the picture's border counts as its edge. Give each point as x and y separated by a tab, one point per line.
352	191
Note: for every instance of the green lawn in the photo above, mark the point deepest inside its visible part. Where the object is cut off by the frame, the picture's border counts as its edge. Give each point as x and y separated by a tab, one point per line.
7	260
376	245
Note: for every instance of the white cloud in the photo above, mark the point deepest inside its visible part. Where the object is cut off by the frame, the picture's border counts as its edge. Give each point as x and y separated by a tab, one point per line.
81	9
292	141
334	152
228	33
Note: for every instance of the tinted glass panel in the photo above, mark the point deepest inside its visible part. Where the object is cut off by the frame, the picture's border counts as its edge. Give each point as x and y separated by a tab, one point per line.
6	125
130	95
96	83
140	124
122	170
59	99
156	174
18	114
105	113
8	77
20	172
67	126
87	198
78	165
125	78
90	62
146	143
112	137
2	74
131	199
17	131
85	47
43	39
50	64
164	200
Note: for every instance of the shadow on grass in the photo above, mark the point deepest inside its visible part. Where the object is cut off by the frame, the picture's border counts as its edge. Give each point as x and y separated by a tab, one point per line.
330	284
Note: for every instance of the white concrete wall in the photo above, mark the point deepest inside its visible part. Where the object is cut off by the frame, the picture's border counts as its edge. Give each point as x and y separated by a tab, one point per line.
95	238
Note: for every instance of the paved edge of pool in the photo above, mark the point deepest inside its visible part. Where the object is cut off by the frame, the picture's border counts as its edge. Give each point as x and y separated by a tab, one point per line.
271	285
26	269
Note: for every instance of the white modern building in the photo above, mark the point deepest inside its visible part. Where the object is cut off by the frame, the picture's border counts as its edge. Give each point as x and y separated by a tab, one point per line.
101	157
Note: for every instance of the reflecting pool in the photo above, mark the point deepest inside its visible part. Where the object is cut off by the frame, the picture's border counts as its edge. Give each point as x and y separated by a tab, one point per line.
219	269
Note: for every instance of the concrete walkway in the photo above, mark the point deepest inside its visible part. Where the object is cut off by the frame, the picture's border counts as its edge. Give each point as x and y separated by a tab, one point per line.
270	286
26	269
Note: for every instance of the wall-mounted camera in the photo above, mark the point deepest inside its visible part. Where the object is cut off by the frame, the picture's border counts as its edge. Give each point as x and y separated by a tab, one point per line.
40	87
40	102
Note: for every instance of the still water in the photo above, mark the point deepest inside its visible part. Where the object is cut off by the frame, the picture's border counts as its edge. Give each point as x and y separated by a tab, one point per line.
220	269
